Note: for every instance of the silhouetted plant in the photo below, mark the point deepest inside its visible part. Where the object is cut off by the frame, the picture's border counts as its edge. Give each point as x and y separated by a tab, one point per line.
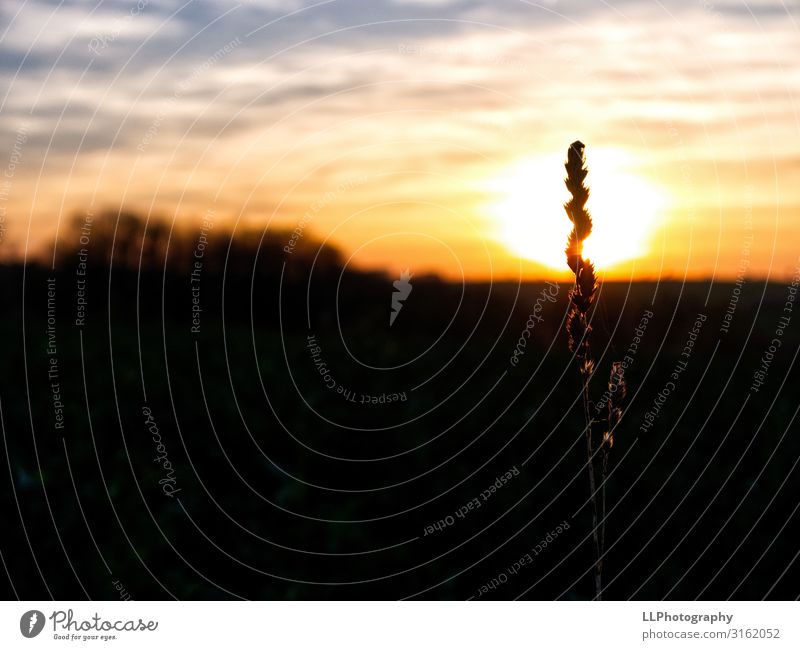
582	297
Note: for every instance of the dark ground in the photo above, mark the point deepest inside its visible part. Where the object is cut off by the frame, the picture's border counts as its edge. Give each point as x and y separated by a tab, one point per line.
286	488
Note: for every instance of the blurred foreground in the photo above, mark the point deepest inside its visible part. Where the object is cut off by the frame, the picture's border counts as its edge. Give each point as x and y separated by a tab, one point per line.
200	416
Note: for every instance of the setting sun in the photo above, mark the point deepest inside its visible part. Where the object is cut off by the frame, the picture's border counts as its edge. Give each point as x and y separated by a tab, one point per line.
529	218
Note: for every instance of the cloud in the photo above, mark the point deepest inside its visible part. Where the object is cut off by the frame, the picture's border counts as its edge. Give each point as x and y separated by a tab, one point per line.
439	86
42	26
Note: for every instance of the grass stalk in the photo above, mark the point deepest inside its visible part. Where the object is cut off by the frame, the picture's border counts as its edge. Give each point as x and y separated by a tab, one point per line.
582	297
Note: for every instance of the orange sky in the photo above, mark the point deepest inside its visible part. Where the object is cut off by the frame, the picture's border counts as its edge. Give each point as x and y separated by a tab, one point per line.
425	134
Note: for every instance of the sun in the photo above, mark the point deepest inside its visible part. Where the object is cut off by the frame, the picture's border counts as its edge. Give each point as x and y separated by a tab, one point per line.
528	217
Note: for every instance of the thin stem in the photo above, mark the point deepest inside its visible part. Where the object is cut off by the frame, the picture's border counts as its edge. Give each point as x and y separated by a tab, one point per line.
586	376
603	476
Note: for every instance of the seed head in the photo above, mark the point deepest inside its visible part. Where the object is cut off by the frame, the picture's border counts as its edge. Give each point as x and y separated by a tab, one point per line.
617	389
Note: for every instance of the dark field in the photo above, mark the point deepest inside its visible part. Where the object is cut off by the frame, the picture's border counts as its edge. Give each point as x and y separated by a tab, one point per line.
275	480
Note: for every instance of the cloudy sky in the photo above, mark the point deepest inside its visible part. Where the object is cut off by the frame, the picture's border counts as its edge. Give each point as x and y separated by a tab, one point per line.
415	133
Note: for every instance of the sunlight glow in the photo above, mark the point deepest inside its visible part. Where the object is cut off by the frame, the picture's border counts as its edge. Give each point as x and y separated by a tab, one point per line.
528	215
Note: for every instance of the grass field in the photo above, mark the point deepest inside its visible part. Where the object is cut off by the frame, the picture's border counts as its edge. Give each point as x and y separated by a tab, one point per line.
224	463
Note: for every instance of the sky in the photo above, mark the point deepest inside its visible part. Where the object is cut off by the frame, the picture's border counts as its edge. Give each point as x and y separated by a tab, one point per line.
419	134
